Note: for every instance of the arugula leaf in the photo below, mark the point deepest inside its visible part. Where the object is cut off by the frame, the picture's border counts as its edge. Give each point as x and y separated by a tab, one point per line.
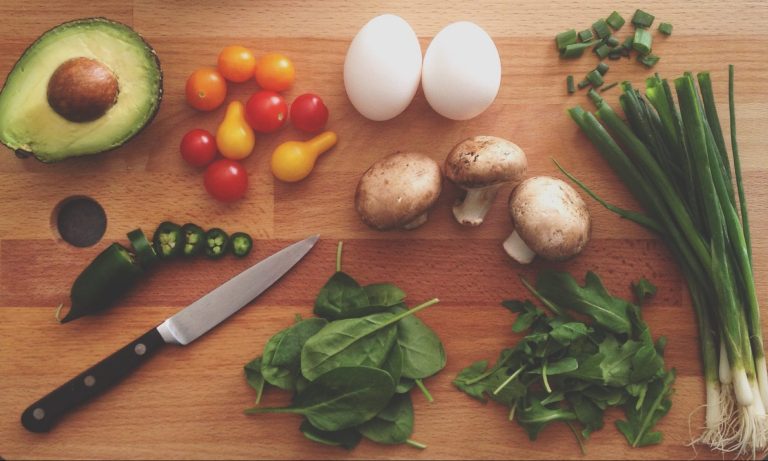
534	417
643	290
640	420
347	438
568	333
592	299
470	380
587	412
254	377
528	314
341	297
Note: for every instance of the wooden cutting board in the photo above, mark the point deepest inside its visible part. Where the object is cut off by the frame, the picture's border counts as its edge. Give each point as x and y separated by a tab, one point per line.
188	401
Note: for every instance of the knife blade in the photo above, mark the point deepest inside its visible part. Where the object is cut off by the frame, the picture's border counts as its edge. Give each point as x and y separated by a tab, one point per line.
181	329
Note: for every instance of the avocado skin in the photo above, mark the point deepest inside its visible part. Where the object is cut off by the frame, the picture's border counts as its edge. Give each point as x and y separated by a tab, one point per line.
23	153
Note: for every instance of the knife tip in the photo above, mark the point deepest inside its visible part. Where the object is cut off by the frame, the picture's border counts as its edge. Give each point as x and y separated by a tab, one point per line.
313	239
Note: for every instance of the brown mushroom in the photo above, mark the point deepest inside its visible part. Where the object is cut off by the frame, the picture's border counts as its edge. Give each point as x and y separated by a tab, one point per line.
550	219
481	165
398	190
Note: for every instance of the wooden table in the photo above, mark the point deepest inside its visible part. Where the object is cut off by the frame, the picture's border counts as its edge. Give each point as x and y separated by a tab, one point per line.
188	401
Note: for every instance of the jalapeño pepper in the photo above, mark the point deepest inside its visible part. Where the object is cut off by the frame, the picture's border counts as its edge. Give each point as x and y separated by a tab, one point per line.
112	273
144	251
168	240
216	243
241	244
194	239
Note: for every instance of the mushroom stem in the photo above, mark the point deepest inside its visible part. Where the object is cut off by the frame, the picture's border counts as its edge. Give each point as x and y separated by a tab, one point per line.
517	249
472	209
416	222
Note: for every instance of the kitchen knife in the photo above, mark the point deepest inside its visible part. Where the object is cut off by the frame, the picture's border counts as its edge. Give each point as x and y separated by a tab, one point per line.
182	328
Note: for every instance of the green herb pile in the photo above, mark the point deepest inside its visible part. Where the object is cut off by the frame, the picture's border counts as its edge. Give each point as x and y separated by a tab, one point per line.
601	38
351	368
587	352
673	158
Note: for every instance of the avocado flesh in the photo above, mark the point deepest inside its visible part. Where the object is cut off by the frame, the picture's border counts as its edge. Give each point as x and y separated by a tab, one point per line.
27	121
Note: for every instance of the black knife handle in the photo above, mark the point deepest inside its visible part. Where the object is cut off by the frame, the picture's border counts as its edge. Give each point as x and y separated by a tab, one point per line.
43	414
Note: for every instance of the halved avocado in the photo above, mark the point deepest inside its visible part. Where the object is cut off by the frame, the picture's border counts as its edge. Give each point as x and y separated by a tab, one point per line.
83	87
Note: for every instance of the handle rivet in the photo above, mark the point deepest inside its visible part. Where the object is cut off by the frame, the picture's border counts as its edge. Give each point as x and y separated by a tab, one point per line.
89	380
38	413
140	349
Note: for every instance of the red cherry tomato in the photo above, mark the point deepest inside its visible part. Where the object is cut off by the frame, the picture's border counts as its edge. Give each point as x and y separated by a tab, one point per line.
308	113
266	111
198	148
226	180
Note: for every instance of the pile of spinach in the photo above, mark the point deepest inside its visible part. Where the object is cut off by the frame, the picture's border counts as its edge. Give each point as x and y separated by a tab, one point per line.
351	368
590	351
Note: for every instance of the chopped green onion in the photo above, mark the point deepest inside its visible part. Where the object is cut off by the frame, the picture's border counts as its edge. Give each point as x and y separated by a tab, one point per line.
602	50
574	50
616	53
586	35
601	28
615	20
642	41
602	68
608	87
570	84
595	78
612	41
563	39
583	84
642	19
628	42
665	28
648	60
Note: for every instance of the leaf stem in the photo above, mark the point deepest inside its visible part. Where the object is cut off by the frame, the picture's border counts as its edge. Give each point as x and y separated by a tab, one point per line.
544	377
338	255
415	444
578	439
509	380
424	390
556	310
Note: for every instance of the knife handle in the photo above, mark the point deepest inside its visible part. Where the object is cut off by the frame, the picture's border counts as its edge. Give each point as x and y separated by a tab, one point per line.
43	414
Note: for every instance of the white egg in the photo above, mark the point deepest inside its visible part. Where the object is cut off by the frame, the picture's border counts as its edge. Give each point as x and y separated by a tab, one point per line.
383	67
462	71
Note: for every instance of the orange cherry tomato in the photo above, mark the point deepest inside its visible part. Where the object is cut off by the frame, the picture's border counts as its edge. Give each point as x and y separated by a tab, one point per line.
237	63
275	72
206	89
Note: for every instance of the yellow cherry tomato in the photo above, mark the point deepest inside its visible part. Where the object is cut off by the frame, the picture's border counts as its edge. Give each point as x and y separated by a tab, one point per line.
292	161
235	138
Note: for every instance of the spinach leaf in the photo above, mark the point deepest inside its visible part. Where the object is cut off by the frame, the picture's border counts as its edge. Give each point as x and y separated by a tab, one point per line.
405	385
592	299
384	295
350	342
254	377
341	398
347	438
423	352
394	424
280	363
340	296
393	364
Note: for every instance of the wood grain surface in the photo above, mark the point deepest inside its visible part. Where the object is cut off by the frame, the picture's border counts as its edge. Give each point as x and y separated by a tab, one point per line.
188	401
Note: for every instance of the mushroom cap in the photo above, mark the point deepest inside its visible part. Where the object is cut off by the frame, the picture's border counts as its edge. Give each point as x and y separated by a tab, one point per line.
483	161
550	217
397	189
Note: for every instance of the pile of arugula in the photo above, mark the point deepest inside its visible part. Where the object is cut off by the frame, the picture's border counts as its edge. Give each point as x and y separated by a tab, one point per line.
592	351
352	367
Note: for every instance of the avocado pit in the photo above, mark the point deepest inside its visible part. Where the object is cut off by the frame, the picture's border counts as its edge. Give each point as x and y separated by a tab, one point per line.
82	90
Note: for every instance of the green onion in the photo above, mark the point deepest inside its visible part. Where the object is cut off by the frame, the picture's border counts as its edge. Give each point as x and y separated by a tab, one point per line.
583	84
574	50
602	68
569	84
642	19
595	78
615	20
586	35
642	41
628	42
616	54
648	60
602	50
566	38
601	28
612	41
665	28
608	87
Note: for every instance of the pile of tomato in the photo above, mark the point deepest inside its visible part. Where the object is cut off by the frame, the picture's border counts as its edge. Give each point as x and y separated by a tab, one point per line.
266	111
